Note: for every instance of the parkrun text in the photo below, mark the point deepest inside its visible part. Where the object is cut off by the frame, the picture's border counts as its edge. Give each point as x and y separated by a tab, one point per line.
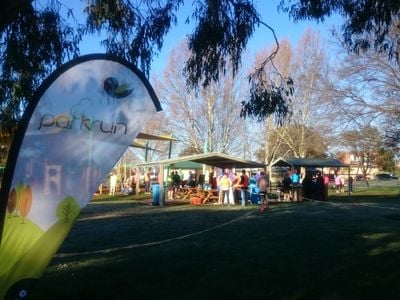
68	122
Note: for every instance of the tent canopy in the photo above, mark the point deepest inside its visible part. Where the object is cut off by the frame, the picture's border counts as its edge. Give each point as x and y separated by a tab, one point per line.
308	163
219	160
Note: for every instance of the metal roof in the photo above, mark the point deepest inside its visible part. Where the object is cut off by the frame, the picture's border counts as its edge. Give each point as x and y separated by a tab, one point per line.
219	160
136	144
308	162
147	136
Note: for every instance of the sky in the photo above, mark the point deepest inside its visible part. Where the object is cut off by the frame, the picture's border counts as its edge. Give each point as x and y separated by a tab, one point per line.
262	38
284	29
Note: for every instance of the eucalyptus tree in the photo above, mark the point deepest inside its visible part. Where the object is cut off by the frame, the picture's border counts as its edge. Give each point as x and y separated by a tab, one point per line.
37	36
366	24
304	135
364	90
365	143
206	120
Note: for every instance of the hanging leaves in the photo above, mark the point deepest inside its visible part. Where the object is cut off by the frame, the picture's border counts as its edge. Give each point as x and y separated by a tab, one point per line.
223	29
267	98
40	38
31	47
367	24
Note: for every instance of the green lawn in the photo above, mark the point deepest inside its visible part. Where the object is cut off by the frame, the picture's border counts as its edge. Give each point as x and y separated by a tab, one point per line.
347	248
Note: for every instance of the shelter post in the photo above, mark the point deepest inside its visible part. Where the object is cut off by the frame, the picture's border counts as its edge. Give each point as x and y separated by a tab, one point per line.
146	152
348	182
269	171
161	195
137	180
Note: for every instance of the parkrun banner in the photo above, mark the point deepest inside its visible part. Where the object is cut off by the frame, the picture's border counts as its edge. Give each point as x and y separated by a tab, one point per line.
81	121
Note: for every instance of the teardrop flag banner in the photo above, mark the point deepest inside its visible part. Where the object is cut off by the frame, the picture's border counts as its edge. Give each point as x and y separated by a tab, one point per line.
79	123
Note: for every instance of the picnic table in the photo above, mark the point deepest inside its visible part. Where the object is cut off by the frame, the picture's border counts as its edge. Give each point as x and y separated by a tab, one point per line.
206	195
200	196
187	192
211	195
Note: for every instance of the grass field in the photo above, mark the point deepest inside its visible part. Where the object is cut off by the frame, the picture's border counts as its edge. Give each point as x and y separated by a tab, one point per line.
347	248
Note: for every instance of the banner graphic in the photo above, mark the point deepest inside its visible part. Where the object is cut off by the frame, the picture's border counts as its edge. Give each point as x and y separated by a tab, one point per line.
80	122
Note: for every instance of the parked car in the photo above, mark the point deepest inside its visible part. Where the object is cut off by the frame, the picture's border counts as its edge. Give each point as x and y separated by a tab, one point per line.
385	176
361	177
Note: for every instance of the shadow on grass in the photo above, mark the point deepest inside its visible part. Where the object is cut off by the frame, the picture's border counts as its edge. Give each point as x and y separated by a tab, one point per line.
292	251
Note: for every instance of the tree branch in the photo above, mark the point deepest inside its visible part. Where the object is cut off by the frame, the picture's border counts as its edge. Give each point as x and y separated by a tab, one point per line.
10	11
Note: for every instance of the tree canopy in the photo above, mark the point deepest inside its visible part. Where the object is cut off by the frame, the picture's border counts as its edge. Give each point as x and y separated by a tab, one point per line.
36	36
367	23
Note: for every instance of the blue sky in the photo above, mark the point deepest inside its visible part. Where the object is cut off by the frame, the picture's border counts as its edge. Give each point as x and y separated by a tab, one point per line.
262	38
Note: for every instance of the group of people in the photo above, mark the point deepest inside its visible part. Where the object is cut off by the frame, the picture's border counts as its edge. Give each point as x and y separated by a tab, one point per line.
294	188
289	186
174	184
315	187
239	188
177	180
233	187
312	186
227	185
126	185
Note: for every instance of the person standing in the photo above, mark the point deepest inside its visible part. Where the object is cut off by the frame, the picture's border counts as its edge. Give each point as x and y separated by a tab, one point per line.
337	183
326	186
191	182
219	178
170	184
176	179
295	177
225	185
235	179
262	184
244	186
279	191
132	181
341	184
182	176
320	184
308	187
113	183
350	184
286	186
295	185
147	181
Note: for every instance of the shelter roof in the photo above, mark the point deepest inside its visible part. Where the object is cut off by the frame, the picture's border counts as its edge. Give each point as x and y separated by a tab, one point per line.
147	136
219	160
136	144
306	162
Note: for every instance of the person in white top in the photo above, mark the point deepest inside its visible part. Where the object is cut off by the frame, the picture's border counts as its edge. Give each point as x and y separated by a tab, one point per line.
113	184
225	184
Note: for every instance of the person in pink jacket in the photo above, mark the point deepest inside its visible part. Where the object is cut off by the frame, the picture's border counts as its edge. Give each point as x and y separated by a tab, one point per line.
338	183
